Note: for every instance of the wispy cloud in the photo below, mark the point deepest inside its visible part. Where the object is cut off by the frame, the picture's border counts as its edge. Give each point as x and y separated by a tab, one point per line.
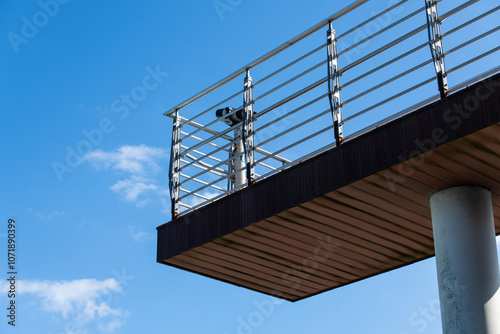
140	162
83	301
44	217
132	159
140	236
84	222
132	188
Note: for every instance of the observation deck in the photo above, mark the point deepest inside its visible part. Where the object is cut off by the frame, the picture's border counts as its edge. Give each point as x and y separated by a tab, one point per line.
315	181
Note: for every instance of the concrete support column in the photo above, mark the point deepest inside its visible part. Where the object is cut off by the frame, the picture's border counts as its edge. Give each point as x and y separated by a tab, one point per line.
466	260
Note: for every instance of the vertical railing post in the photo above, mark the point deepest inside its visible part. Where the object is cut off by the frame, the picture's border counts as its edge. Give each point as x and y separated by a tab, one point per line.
334	84
436	45
175	166
248	129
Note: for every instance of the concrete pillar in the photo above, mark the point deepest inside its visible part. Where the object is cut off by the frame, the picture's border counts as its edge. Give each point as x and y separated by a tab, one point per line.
466	260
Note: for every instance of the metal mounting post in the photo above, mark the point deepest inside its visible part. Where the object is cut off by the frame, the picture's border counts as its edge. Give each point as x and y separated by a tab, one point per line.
436	45
248	119
334	84
175	166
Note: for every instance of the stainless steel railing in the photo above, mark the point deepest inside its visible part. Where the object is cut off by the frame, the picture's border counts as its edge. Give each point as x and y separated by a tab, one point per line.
313	93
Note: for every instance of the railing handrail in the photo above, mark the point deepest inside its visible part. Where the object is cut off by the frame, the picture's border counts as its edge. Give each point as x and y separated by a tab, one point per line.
268	55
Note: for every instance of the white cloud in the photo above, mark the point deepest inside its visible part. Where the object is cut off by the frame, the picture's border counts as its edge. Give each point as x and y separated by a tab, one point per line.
140	236
132	188
133	159
48	217
111	326
140	162
83	301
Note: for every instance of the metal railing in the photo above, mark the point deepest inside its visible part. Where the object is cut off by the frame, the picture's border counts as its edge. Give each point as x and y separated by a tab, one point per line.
313	93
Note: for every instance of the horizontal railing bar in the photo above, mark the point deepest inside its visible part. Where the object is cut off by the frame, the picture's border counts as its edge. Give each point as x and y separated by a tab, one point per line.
474	79
277	158
370	19
212	152
216	181
387	63
319	98
258	150
455	10
389	99
301	141
205	170
185	205
470	61
382	30
422	103
195	194
477	18
226	162
296	126
402	74
234	111
298	161
392	117
209	130
472	40
267	166
203	154
293	96
220	134
214	132
216	105
201	140
206	165
205	185
290	80
386	47
269	55
322	46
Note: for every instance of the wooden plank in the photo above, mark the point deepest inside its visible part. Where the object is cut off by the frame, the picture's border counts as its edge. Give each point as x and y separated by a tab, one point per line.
374	214
384	204
256	263
256	277
336	256
274	249
184	261
360	253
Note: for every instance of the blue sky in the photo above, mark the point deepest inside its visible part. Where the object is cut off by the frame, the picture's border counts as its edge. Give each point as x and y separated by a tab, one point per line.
85	167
